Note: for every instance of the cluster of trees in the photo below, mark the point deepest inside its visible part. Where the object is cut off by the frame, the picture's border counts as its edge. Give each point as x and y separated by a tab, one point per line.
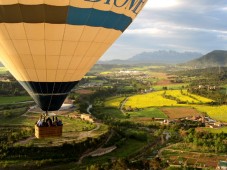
216	76
219	97
173	98
210	76
206	141
122	164
9	135
12	88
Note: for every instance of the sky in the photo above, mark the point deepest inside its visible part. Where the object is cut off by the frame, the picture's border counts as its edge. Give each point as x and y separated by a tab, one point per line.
180	25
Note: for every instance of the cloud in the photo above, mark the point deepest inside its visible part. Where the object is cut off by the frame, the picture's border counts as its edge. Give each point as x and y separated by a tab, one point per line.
160	4
180	25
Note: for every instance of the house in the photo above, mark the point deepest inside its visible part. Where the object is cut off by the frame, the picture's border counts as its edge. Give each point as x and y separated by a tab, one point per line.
66	107
222	165
218	124
166	122
87	117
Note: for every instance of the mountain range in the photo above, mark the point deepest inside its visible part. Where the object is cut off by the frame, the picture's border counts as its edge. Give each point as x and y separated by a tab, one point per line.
195	59
157	57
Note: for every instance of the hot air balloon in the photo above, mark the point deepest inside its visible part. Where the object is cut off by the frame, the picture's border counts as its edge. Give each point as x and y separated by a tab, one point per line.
49	45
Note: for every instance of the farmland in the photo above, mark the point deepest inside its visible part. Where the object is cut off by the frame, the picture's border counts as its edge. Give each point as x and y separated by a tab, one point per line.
179	112
170	86
149	113
114	101
3	70
184	96
213	130
157	99
216	112
153	105
179	157
14	99
153	99
132	105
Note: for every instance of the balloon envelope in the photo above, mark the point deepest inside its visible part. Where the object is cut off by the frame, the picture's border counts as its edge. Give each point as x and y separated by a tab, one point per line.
49	45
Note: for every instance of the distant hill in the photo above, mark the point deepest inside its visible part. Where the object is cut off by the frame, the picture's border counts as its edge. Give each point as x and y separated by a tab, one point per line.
212	59
1	65
159	57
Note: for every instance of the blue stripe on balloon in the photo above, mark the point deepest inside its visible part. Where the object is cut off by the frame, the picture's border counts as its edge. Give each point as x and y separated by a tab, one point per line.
97	18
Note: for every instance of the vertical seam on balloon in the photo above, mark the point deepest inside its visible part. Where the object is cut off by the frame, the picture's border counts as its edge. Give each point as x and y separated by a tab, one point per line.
16	51
58	61
61	50
111	31
89	45
116	23
44	10
100	28
44	23
22	76
29	46
114	30
78	44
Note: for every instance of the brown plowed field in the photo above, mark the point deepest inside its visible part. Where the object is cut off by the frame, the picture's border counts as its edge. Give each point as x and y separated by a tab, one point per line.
84	91
180	112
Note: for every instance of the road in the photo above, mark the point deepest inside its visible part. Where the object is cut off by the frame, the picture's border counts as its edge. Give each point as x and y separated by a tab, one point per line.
122	105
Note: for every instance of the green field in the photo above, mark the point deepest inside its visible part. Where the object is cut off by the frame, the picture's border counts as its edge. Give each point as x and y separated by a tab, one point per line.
90	77
215	130
105	72
172	86
16	99
72	127
3	70
111	112
149	112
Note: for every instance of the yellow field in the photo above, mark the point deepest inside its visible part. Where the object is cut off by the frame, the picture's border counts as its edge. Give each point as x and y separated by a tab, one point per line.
105	72
187	97
114	102
149	100
216	112
155	99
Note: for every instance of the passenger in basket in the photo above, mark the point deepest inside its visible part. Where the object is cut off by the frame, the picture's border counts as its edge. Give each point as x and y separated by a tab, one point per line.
49	121
59	122
40	121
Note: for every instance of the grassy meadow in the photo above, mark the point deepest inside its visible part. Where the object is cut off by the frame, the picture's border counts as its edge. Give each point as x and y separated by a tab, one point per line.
170	86
14	99
3	70
149	112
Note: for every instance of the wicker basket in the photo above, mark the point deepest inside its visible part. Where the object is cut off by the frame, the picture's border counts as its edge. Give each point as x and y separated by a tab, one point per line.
45	132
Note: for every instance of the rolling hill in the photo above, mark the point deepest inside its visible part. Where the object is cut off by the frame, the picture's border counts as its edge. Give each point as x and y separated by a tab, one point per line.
212	59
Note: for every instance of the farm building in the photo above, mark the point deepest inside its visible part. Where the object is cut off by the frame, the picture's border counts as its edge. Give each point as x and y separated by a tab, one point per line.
87	117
